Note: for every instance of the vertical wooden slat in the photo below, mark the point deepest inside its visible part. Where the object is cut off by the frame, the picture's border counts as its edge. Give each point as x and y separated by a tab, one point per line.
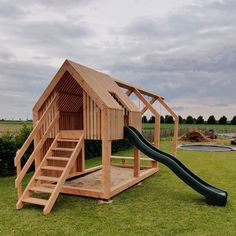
87	113
84	113
99	123
94	121
91	117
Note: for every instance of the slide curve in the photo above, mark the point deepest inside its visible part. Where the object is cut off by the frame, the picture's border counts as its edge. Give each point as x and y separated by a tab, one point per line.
214	196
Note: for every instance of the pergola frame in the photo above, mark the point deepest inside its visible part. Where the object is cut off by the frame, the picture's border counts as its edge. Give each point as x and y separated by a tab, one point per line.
140	94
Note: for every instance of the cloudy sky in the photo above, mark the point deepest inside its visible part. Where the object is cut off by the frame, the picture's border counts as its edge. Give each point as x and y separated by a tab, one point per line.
184	50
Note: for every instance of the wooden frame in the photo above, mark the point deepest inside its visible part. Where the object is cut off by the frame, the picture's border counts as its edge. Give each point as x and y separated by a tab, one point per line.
149	106
96	108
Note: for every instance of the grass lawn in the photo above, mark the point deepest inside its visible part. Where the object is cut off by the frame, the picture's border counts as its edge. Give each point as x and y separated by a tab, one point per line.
162	205
218	128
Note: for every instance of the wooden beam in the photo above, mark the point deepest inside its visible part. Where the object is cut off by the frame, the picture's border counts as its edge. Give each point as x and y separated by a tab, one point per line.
106	153
142	91
136	162
147	107
129	92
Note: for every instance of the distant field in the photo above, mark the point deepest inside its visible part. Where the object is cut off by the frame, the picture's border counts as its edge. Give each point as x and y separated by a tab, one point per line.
216	127
12	126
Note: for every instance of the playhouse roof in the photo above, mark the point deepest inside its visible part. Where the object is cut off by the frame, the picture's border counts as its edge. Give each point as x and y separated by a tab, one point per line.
98	85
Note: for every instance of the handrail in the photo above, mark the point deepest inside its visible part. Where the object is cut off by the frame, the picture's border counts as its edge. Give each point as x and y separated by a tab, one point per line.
27	165
30	138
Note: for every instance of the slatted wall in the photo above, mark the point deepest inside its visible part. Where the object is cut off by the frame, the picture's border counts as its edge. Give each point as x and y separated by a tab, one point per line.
135	120
92	118
130	118
116	126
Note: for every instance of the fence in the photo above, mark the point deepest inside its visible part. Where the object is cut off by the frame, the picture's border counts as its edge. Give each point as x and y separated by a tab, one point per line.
149	133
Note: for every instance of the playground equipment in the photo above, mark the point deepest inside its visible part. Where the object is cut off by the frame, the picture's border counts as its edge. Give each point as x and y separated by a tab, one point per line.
81	103
205	147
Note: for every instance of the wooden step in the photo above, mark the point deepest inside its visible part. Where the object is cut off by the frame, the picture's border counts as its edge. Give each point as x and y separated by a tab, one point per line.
36	201
41	189
57	168
68	140
63	149
47	178
58	158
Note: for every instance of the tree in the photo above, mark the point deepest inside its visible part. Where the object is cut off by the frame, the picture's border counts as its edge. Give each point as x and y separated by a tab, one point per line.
162	120
152	119
233	121
189	120
211	120
200	120
180	120
169	120
144	119
223	120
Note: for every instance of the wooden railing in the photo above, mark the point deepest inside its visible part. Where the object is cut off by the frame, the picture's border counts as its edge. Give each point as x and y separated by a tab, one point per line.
22	171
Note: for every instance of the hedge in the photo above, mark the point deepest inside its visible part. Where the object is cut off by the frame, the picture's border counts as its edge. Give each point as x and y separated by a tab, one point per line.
10	143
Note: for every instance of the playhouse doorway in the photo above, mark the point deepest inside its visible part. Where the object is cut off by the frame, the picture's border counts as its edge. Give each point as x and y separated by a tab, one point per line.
70	103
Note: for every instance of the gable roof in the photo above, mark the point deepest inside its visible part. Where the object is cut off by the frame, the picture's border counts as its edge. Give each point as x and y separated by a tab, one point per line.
99	86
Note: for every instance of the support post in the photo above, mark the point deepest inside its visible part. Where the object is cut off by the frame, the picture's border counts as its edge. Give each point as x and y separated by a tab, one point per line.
106	155
176	129
81	160
136	162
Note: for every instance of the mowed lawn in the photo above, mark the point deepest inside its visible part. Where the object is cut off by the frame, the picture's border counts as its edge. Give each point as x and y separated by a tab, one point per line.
162	205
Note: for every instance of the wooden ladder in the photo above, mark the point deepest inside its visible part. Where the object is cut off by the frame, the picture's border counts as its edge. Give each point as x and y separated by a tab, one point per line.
51	174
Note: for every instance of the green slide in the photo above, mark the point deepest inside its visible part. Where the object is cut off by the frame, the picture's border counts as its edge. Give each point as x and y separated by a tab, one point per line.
214	196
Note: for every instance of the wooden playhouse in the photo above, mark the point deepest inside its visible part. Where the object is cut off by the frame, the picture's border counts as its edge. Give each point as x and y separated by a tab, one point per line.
81	104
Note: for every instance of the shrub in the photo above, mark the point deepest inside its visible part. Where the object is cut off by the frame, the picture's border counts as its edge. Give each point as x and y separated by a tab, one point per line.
169	119
223	120
211	120
9	144
162	120
7	154
189	120
144	119
233	121
152	119
93	148
200	120
180	120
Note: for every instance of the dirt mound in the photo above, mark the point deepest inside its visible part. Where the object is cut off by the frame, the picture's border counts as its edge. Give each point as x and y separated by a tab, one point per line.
211	134
194	136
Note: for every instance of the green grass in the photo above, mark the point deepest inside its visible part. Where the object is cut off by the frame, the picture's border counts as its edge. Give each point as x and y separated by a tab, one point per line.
15	122
216	127
162	205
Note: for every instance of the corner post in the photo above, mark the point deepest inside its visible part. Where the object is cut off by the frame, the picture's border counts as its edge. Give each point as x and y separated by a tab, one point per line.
106	154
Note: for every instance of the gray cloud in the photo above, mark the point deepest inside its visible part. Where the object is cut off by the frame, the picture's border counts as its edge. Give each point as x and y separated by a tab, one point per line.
188	54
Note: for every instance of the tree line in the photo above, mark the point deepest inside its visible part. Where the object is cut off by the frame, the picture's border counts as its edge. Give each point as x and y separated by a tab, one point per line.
191	120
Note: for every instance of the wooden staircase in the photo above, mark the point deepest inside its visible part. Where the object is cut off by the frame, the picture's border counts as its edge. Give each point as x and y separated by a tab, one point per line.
49	178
